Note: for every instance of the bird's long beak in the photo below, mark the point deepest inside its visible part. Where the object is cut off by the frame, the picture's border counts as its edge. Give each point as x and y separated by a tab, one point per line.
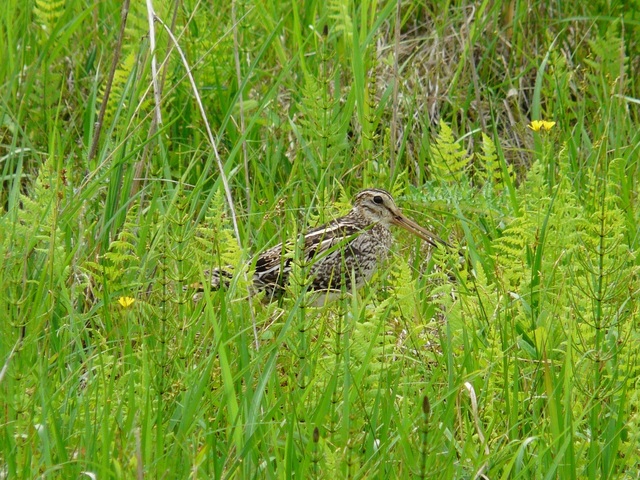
409	225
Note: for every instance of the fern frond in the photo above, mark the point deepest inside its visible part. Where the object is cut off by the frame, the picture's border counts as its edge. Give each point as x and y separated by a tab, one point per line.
137	26
48	12
491	172
34	252
120	266
442	291
321	132
607	51
343	24
214	247
214	242
514	239
403	299
117	87
449	161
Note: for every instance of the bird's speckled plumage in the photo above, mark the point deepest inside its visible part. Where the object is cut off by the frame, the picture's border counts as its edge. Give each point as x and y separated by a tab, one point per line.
350	247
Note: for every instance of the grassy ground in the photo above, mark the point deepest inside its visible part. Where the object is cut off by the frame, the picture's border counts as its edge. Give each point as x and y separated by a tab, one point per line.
518	362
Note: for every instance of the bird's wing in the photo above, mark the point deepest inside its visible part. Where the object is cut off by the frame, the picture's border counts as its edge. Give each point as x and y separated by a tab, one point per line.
321	241
273	265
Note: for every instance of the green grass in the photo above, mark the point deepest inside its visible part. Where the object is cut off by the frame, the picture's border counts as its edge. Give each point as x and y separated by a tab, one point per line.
511	355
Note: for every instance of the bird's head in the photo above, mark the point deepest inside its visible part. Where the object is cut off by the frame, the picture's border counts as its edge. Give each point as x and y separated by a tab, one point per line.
378	206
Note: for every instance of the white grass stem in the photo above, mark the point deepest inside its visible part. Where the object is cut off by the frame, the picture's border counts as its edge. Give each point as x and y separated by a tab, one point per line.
154	64
212	141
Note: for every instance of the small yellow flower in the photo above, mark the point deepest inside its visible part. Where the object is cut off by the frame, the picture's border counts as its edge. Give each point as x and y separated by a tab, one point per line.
126	302
541	125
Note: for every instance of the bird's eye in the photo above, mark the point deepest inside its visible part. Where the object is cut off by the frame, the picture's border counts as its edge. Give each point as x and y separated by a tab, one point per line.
378	200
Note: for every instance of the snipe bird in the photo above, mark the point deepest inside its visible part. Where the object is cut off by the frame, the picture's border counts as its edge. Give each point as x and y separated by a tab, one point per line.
337	253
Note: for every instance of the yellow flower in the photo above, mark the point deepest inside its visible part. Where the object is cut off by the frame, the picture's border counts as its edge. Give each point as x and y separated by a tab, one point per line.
126	302
541	125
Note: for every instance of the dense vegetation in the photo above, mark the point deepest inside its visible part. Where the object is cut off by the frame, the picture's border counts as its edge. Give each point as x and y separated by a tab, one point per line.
131	163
